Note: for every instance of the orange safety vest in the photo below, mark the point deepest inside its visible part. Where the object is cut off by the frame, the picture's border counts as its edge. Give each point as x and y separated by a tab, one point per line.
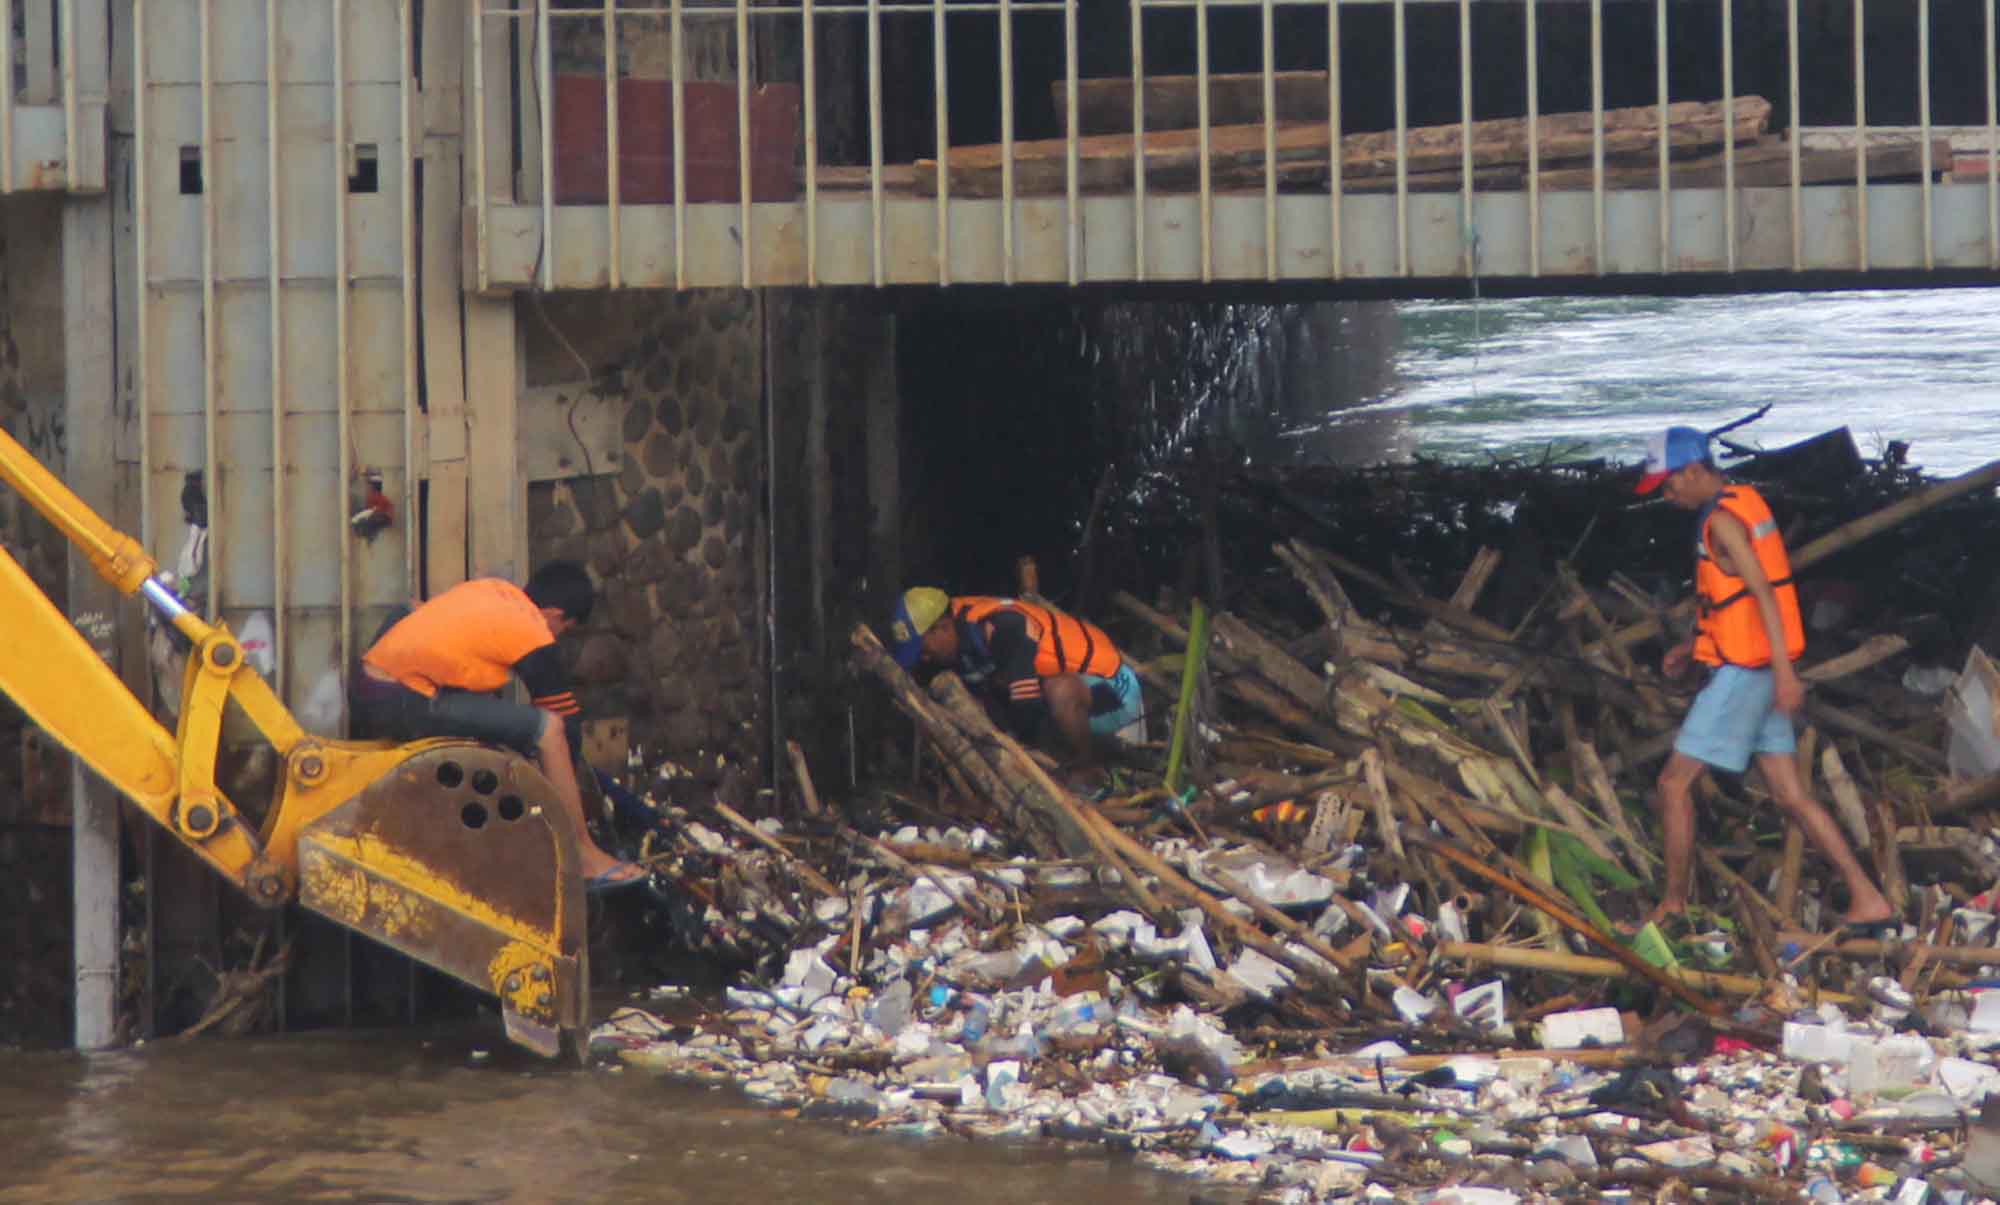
1065	644
1731	628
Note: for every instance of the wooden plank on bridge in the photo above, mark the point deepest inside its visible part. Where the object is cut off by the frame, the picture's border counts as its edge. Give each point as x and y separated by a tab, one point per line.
1236	152
1104	106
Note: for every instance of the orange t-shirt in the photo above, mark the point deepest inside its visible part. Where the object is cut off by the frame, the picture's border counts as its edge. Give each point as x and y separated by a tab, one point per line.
468	638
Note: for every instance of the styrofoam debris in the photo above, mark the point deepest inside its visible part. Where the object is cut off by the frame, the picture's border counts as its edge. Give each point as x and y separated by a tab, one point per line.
1581	1027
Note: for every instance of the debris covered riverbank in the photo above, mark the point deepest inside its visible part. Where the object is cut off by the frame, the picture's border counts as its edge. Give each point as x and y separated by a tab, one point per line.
1349	925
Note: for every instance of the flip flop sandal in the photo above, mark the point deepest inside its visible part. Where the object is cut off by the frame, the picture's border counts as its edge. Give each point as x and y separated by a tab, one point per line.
608	881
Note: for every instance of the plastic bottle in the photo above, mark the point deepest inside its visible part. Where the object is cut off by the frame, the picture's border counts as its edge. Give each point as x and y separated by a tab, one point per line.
977	1017
1084	1008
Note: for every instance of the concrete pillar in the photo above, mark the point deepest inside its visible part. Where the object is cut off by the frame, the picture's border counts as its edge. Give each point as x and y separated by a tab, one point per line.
91	469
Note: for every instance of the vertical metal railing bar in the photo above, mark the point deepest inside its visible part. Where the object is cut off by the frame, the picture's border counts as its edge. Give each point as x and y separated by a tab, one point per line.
809	76
212	467
1924	122
482	202
1072	213
7	96
274	165
1138	139
1597	134
614	233
1269	33
545	103
1729	134
1992	141
1006	142
1335	152
406	166
941	115
875	210
1204	182
743	164
676	72
1860	135
1467	236
342	320
1666	132
141	215
1792	136
68	33
1534	144
1400	52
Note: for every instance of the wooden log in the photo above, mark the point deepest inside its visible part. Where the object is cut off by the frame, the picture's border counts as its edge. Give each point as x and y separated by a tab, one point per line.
1104	106
1271	661
1240	680
1873	651
1071	820
1527	958
1765	164
1443	612
1846	799
807	794
792	861
957	750
1835	717
1172	157
903	866
1591	774
1964	796
1868	949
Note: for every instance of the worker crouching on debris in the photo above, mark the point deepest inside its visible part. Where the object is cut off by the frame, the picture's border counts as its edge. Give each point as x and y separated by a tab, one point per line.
1749	633
438	672
1046	666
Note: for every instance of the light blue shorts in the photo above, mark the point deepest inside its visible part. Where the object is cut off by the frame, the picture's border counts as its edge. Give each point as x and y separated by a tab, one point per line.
1114	702
1733	717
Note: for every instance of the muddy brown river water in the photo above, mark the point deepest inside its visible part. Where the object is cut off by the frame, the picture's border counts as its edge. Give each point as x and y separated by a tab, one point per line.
422	1116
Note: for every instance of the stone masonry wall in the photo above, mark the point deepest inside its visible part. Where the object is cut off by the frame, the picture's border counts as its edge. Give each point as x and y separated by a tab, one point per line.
672	539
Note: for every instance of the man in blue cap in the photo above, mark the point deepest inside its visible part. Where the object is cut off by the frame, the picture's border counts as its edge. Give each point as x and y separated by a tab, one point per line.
1748	632
1048	667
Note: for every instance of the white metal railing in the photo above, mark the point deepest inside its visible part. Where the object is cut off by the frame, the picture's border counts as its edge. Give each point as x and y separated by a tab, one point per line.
888	202
47	81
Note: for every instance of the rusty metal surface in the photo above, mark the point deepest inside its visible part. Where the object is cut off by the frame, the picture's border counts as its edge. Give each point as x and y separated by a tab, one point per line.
462	859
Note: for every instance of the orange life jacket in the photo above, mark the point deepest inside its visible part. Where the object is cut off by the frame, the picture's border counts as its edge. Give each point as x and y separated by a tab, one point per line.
1064	643
1731	629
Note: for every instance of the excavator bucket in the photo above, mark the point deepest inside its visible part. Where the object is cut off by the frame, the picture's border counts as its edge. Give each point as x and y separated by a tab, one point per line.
461	858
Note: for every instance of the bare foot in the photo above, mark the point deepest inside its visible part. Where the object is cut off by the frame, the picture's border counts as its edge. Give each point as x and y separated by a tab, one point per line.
1869	913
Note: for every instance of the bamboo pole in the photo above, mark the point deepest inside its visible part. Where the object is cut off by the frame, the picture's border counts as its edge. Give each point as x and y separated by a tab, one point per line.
1197	656
1526	958
958	751
1043	794
792	861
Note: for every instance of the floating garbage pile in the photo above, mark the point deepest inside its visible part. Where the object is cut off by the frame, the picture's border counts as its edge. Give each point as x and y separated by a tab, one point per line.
1348	927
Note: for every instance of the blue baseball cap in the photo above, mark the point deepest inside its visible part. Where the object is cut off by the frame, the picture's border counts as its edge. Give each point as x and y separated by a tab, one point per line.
1671	450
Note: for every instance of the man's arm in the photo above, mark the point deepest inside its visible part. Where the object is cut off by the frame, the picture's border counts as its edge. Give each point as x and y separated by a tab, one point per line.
542	672
1733	540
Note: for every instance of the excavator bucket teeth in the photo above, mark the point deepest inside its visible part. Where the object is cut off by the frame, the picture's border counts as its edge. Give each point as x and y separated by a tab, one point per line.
461	858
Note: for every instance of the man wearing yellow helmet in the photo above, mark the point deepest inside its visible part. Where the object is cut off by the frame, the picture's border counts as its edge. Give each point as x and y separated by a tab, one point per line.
1046	665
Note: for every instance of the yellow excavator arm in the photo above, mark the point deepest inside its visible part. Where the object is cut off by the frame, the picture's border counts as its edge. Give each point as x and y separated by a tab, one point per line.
453	853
